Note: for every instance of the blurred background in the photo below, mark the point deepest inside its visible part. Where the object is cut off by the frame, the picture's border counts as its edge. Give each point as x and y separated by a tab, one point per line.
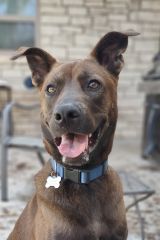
69	29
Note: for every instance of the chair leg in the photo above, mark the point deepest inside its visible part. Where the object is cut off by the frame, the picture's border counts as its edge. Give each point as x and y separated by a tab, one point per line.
4	173
40	156
141	221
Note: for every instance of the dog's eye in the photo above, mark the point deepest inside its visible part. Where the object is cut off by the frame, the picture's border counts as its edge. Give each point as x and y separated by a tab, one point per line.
94	84
51	89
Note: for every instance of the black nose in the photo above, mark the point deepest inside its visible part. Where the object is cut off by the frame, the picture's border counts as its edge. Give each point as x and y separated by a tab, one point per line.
67	113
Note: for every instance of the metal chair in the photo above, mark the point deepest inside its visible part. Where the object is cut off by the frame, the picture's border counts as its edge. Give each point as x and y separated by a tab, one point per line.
10	140
152	131
138	191
6	94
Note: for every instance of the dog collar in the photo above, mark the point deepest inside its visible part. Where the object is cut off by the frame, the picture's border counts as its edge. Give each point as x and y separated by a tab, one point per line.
77	175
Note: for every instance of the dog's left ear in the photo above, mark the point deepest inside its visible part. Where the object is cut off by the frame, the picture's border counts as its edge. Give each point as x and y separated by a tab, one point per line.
39	61
108	51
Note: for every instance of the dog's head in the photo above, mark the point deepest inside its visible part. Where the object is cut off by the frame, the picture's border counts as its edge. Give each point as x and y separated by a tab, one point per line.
79	100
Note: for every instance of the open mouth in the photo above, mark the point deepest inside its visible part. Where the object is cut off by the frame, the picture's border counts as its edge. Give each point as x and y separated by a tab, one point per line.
72	145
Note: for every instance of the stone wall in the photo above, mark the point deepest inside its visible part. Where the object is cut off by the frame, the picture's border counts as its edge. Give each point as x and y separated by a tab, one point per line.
69	29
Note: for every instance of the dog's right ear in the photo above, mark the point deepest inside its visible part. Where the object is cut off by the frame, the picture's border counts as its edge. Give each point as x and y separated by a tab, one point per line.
39	61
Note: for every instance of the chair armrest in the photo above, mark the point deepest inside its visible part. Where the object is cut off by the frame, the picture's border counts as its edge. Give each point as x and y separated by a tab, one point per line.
26	107
7	124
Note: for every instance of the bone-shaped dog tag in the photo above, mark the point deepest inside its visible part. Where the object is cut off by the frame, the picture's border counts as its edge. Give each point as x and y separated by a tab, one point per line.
53	182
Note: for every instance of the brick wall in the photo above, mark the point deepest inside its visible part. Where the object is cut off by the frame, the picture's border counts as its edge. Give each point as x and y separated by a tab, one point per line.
70	28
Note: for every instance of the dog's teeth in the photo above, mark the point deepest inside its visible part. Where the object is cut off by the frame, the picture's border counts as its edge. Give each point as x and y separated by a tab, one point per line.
63	159
85	155
90	135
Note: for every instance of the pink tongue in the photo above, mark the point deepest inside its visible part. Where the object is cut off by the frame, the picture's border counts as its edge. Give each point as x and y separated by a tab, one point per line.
73	147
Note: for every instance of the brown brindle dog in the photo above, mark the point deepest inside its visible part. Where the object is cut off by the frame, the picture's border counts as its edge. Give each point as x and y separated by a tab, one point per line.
83	197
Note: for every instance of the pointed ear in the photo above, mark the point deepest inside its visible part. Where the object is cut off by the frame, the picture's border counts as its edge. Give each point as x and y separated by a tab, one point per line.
108	51
39	61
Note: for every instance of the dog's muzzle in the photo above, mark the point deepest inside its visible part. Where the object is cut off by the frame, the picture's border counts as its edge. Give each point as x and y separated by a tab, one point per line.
75	135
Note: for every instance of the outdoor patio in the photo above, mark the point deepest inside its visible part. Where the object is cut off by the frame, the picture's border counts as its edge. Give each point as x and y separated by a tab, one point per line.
69	29
125	156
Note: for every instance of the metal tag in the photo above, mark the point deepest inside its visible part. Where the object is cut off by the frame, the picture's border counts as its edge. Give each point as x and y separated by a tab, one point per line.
53	181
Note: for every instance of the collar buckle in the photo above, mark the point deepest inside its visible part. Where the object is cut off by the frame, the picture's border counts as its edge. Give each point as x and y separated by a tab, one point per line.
72	174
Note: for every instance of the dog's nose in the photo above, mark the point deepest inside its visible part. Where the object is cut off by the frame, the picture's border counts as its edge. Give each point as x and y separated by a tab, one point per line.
67	113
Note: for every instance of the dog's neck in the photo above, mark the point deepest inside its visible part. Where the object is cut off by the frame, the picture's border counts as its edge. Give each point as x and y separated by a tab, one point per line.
79	176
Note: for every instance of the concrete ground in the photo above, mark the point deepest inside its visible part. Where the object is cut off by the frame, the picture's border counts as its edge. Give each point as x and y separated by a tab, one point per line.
125	156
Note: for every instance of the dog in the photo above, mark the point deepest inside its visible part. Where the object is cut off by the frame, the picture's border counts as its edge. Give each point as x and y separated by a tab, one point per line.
78	195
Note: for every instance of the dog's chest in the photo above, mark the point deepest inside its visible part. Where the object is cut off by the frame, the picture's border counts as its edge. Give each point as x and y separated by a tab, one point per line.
83	222
81	213
82	227
93	231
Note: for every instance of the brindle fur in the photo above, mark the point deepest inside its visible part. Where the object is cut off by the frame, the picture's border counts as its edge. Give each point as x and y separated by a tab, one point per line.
93	211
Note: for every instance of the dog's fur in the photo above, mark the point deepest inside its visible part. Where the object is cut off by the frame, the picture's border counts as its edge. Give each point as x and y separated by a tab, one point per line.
85	93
